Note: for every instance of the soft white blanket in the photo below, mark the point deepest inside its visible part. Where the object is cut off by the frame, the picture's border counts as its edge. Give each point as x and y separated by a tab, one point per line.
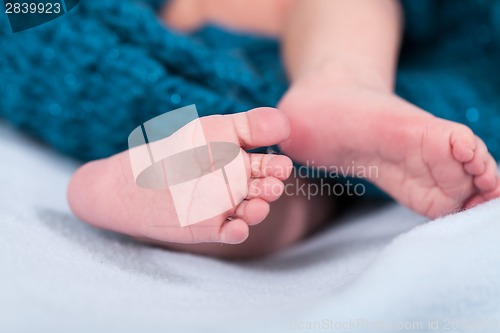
379	268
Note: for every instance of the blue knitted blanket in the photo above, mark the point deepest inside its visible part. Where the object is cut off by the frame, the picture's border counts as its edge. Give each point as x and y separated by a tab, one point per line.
83	81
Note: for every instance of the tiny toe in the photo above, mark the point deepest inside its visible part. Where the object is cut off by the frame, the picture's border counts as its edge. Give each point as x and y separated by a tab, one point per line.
268	189
495	193
464	143
477	166
488	181
474	201
233	232
252	211
268	165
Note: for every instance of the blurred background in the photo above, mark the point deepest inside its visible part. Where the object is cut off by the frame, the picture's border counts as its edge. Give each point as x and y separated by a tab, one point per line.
81	82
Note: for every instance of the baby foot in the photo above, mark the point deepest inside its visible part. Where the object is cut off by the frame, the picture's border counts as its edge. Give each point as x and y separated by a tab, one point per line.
430	165
104	192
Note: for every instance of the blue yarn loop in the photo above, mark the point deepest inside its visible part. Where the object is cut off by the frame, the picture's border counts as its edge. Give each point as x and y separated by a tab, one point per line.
82	82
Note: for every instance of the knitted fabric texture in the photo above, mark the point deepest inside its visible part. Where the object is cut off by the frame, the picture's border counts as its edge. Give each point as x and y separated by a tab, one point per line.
82	82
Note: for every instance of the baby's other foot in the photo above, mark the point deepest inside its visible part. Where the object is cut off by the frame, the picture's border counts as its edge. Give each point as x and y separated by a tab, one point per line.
444	169
104	192
428	164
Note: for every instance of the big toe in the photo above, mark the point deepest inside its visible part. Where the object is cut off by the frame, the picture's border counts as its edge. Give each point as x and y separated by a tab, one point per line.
267	126
255	128
481	198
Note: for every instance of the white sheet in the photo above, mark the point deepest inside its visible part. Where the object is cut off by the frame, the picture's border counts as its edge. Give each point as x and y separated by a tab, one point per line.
382	265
